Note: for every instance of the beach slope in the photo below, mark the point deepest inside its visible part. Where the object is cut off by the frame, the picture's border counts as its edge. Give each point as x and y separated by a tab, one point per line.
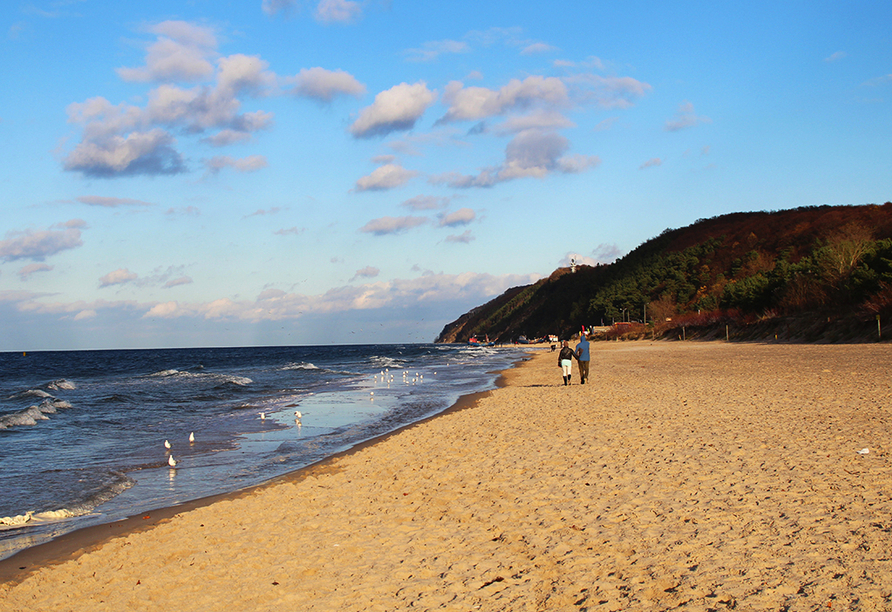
706	476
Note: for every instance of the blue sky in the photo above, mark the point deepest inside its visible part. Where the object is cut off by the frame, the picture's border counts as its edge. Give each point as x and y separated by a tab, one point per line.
268	172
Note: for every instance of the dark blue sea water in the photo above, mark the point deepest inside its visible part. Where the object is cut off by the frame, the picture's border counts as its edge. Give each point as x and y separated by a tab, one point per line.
82	433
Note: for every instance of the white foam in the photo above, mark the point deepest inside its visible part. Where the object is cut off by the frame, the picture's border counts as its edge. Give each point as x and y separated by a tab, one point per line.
61	384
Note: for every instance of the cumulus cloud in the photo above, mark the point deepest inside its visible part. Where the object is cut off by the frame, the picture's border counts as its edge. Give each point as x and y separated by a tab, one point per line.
40	244
120	276
685	117
391	225
138	153
656	161
475	103
396	109
108	202
125	140
388	176
462	216
367	272
26	272
252	163
182	53
531	153
325	85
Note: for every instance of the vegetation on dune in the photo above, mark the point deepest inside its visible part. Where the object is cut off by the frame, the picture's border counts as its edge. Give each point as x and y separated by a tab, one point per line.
804	265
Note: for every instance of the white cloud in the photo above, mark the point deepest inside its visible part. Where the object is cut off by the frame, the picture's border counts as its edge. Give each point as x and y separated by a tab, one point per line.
252	163
531	153
421	202
475	103
181	53
291	231
182	280
126	140
388	176
391	225
39	244
26	272
325	85
685	117
462	216
138	153
338	11
120	276
396	109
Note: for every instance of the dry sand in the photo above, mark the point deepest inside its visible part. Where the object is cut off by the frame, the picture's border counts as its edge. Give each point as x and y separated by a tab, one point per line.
685	475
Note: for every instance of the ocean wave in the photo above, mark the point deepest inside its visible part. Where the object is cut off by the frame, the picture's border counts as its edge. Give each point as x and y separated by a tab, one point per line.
218	378
30	393
32	414
62	383
303	365
117	484
386	362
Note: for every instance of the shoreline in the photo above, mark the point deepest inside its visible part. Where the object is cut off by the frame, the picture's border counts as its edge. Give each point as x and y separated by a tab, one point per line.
708	476
70	545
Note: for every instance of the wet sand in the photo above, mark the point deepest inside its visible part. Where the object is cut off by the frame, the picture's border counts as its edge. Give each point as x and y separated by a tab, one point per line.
703	476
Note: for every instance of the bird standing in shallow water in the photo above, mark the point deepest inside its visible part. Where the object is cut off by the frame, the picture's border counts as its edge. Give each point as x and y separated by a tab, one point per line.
192	437
171	461
167	445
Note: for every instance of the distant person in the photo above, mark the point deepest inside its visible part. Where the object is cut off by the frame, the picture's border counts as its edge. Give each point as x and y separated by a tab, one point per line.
583	357
565	361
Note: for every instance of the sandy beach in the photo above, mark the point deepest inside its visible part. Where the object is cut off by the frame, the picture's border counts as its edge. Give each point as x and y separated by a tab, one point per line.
702	476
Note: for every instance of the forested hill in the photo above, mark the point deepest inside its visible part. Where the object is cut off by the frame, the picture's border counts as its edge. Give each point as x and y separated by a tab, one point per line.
814	273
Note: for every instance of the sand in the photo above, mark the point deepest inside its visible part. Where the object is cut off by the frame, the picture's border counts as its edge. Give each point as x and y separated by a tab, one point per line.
702	476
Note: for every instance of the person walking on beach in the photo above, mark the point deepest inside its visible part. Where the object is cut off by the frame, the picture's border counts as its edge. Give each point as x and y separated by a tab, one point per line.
565	361
583	357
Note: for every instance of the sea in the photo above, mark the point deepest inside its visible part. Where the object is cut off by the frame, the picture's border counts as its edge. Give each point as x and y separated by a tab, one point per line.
84	435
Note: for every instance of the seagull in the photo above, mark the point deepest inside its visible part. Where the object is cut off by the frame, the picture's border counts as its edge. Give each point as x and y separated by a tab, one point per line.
192	438
298	414
864	451
167	445
171	461
262	416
